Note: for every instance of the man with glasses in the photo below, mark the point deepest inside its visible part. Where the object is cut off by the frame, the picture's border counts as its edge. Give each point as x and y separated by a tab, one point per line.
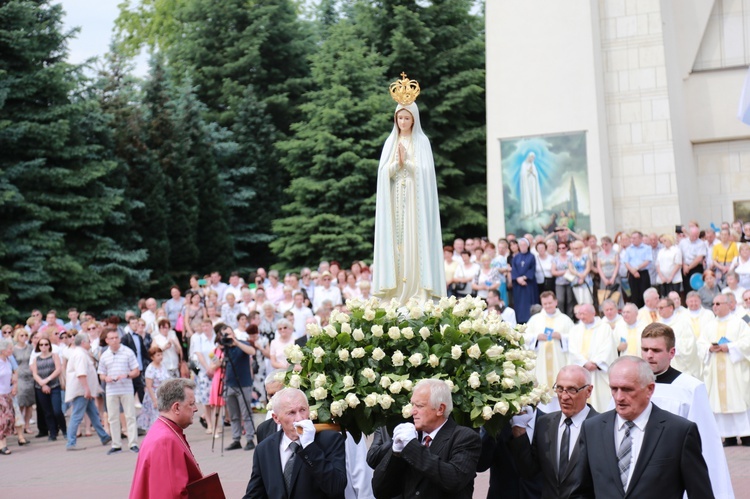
686	396
554	447
724	343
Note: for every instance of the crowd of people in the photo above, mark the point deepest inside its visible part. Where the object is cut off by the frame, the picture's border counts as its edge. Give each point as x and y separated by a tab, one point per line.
586	302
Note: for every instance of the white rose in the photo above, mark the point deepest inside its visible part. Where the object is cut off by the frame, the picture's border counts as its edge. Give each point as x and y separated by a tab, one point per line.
358	335
508	383
424	333
416	359
330	331
318	353
407	333
415	312
456	352
294	354
437	312
509	373
394	333
460	309
398	358
486	413
377	330
346	328
450	384
494	352
320	380
337	408
378	354
395	387
344	354
352	400
371	399
501	407
313	329
407	384
358	353
320	393
295	381
492	378
465	327
474	351
280	376
313	414
369	314
391	313
343	318
369	374
434	360
406	411
474	380
385	381
385	401
348	382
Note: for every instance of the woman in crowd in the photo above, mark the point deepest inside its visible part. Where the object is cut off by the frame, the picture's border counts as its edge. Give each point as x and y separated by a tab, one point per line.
544	278
709	290
563	290
287	301
668	266
166	339
579	265
193	314
268	321
450	270
486	278
212	300
155	375
216	372
523	275
7	392
262	354
364	289
608	268
46	371
283	339
741	265
195	285
350	290
22	352
202	345
723	253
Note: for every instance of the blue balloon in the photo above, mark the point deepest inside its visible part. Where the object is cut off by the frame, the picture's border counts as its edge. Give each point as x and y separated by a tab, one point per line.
696	281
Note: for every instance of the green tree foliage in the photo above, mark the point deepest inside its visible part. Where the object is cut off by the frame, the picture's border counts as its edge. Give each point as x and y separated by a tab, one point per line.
333	155
55	173
441	44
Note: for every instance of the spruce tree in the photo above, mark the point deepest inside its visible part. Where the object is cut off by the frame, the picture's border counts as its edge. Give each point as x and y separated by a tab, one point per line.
333	154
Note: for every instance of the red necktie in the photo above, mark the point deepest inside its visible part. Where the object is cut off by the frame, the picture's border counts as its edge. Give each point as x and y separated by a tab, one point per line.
427	441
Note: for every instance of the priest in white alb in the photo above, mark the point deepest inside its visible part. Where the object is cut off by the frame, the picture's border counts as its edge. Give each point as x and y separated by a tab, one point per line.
627	334
724	347
696	314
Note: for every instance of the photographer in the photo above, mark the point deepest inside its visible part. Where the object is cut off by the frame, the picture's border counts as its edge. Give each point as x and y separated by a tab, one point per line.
238	391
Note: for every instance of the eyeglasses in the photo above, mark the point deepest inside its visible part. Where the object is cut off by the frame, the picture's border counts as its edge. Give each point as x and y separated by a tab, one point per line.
63	336
570	390
43	344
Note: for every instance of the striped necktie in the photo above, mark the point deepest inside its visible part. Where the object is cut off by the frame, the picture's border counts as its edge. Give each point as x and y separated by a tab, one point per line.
624	455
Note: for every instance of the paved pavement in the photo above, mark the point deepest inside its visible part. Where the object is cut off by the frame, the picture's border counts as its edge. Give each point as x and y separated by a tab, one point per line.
44	469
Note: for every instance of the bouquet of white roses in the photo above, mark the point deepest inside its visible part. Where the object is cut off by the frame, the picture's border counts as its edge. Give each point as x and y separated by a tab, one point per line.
359	370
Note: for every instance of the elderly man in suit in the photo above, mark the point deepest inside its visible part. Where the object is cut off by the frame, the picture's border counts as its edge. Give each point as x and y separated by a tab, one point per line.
432	457
290	465
554	449
638	450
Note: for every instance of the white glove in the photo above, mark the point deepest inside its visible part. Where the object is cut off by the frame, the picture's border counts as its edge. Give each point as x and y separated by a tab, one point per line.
402	435
308	432
523	417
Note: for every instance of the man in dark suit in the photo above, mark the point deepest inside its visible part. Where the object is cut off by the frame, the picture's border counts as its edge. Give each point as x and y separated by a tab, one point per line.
268	427
638	450
140	346
289	465
432	457
554	450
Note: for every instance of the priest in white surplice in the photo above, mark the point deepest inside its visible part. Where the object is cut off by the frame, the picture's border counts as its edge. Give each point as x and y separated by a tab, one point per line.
547	334
686	356
627	332
590	345
686	396
724	346
696	314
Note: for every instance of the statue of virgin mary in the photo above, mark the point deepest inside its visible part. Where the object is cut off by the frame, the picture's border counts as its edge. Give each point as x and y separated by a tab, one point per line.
408	239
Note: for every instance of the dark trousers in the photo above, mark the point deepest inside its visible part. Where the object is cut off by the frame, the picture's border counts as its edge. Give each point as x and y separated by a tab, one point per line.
698	269
53	413
139	388
41	422
638	285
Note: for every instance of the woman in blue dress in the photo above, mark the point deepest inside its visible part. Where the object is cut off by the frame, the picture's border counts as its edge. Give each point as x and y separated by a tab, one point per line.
523	273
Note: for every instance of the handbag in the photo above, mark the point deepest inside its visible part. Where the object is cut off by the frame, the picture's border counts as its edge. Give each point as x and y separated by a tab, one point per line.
570	276
180	324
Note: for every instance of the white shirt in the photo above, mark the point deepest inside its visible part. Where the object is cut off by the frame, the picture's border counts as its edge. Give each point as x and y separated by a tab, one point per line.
575	431
285	451
636	436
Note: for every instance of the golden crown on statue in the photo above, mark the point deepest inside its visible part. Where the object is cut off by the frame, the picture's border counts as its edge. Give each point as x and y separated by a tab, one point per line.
404	91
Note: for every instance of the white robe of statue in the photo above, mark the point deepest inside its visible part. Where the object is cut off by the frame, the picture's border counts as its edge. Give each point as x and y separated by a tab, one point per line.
531	193
408	259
